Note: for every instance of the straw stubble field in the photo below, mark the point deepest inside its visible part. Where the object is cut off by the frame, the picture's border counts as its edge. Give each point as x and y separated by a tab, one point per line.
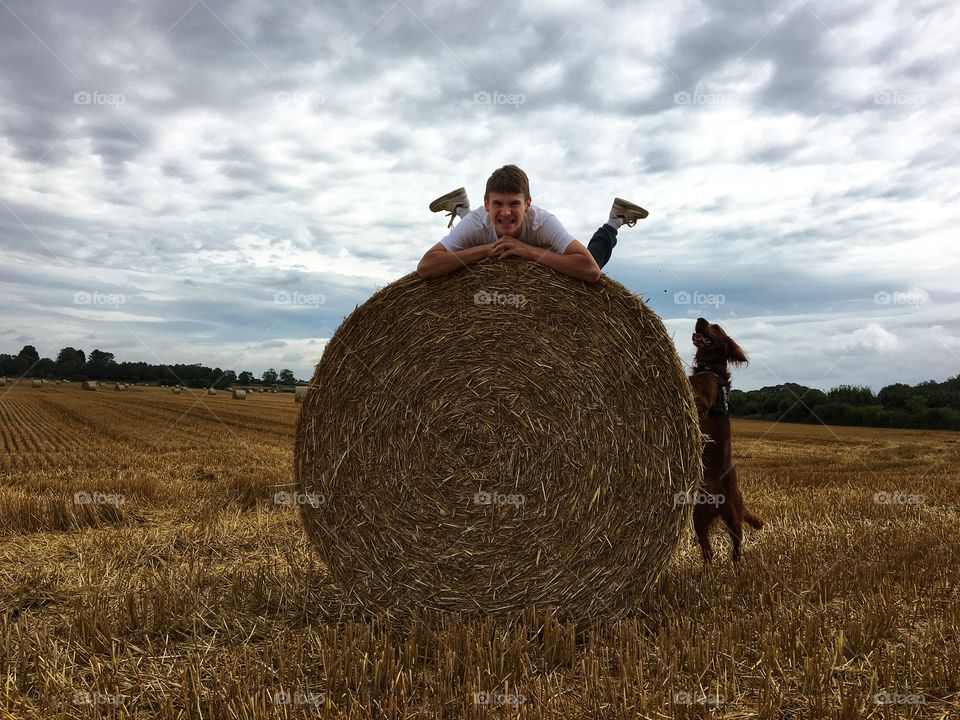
146	571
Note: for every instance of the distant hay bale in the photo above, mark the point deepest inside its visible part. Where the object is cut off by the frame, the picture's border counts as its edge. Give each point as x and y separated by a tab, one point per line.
498	438
176	391
239	394
3	381
299	392
120	387
37	383
211	391
89	384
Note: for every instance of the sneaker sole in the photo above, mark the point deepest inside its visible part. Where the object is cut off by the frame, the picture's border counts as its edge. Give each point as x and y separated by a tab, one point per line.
437	205
629	206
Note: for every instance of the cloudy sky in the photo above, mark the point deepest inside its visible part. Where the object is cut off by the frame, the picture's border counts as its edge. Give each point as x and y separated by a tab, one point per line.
221	181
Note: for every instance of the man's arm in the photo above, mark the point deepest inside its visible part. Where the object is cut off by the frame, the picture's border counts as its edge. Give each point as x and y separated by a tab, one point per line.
439	261
576	261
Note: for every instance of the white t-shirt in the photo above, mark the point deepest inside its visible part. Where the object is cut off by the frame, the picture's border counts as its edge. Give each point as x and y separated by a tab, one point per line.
540	229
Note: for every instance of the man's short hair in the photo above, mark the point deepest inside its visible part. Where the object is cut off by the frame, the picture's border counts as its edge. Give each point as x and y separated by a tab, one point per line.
510	180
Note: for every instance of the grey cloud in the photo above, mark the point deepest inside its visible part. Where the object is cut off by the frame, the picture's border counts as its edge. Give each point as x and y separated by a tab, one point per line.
376	149
175	169
115	143
775	154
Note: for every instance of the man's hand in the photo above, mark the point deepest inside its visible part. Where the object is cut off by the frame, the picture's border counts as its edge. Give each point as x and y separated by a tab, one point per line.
511	247
576	261
438	261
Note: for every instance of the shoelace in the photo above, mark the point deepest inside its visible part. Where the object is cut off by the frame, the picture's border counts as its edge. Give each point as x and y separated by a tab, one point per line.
453	214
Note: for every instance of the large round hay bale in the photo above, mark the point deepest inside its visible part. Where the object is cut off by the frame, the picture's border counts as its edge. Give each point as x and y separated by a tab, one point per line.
498	438
90	385
37	383
299	392
239	394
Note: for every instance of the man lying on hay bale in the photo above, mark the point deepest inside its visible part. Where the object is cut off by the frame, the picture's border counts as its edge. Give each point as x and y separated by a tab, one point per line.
509	224
469	458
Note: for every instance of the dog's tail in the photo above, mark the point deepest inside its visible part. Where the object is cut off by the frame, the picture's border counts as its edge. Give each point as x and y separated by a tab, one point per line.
752	520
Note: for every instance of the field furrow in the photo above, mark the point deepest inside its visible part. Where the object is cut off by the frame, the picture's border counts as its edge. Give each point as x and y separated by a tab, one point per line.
145	572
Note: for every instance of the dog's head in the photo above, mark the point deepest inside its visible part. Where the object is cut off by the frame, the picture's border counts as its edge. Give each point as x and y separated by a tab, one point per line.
714	346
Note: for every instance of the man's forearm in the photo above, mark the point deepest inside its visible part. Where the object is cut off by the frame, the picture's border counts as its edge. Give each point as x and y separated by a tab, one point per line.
581	267
437	263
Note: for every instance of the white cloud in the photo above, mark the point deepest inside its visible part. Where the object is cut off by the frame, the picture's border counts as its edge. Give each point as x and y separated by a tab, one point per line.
303	158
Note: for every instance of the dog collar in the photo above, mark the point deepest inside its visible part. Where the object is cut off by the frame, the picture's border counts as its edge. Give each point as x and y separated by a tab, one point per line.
722	404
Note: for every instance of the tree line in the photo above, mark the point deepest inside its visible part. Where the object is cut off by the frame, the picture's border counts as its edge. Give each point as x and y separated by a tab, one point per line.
74	364
929	405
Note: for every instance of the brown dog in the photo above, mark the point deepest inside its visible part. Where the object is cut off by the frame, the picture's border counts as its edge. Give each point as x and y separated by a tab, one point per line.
719	494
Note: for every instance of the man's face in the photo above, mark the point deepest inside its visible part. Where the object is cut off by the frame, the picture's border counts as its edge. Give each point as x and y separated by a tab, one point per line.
507	211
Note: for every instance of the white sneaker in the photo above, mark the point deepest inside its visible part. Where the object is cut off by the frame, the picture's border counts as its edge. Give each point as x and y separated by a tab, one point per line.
450	202
627	211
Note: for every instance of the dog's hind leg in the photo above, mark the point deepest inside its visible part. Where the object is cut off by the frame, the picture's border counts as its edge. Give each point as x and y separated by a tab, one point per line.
730	512
703	516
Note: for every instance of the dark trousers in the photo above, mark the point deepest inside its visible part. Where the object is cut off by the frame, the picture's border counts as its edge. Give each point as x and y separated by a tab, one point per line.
602	244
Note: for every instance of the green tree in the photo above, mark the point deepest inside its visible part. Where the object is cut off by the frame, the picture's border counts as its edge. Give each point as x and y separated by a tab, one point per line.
286	377
915	404
70	362
27	358
895	396
45	368
225	379
852	395
270	377
99	365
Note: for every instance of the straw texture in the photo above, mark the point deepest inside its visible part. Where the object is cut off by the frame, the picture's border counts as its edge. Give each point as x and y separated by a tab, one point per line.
498	438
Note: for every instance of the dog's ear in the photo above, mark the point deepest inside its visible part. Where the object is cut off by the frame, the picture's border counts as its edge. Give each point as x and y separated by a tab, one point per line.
735	353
